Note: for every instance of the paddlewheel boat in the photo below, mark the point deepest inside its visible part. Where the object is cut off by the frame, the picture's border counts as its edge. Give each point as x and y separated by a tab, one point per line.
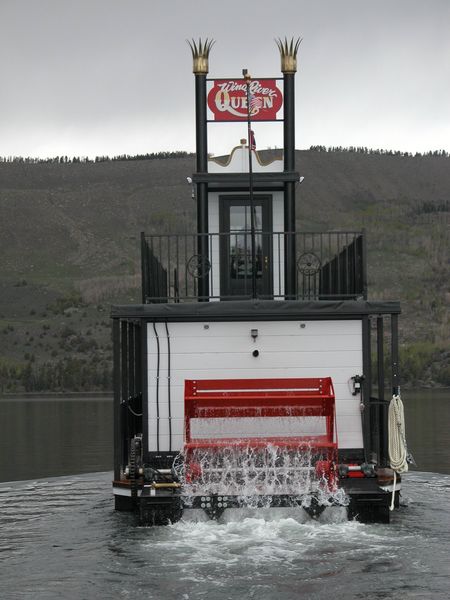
244	379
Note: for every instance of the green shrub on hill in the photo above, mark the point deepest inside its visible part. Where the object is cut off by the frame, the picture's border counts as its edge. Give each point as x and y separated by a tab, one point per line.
69	241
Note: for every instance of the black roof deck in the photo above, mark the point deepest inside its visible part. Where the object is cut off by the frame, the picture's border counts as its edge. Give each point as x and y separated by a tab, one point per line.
255	310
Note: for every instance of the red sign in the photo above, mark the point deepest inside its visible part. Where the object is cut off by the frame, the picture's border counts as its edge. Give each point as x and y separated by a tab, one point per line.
227	99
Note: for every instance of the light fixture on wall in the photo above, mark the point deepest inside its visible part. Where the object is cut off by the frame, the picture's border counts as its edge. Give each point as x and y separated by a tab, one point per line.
190	182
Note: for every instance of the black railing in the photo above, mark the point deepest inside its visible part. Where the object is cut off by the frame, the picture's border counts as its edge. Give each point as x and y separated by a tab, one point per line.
345	273
329	266
154	275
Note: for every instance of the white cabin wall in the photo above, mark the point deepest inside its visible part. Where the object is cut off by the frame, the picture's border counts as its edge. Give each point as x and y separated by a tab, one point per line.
278	244
219	350
213	227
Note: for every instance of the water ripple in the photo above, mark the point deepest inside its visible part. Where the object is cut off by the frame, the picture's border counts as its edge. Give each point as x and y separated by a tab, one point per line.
61	539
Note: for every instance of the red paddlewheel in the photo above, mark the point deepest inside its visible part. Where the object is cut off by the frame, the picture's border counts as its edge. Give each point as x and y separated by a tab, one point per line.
253	399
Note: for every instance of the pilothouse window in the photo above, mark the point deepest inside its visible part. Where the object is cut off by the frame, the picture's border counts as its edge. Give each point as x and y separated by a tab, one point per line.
236	268
240	242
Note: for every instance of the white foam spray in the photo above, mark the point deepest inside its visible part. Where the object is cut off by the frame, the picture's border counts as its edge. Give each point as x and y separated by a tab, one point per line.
256	474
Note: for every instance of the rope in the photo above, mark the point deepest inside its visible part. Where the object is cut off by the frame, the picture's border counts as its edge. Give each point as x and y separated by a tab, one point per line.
392	506
398	450
397	440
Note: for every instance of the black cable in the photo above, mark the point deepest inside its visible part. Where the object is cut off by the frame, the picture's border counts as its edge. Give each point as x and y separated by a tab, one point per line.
157	386
136	414
128	403
168	387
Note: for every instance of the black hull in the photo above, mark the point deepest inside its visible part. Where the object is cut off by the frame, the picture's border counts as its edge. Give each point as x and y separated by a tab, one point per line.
366	502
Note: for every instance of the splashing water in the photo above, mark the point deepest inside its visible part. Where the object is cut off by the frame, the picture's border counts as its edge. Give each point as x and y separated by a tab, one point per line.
256	474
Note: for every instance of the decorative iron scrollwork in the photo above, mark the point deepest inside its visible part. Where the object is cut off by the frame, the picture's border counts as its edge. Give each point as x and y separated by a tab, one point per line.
198	266
309	264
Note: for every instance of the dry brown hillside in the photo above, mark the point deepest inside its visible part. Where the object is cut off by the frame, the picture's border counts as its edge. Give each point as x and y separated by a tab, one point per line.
69	247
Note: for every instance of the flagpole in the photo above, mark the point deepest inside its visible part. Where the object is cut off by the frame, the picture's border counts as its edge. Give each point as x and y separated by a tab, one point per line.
248	78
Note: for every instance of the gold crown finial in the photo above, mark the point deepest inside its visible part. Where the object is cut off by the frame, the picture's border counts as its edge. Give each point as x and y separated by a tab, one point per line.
288	53
200	55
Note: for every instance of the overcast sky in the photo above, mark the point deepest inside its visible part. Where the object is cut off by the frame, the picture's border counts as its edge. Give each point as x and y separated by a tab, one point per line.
92	77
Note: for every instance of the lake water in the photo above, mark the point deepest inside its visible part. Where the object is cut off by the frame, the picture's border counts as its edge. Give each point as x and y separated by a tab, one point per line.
42	437
45	437
61	539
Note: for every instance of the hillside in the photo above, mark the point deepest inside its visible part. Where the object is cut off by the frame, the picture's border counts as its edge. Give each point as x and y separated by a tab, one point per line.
69	241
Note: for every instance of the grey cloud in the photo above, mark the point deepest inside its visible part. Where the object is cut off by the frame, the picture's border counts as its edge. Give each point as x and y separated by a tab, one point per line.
112	76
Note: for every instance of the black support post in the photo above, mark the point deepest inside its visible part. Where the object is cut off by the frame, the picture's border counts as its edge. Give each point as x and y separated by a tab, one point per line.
382	407
289	187
200	123
144	268
289	121
138	355
131	362
124	391
202	188
364	264
394	355
366	387
143	378
118	438
290	286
